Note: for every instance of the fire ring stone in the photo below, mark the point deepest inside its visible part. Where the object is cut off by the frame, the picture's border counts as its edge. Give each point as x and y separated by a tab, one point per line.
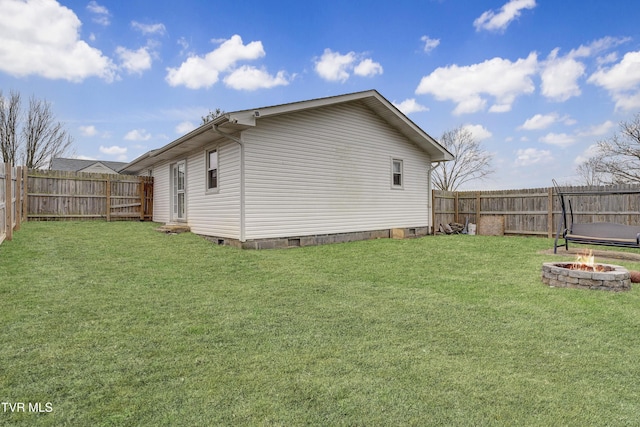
606	277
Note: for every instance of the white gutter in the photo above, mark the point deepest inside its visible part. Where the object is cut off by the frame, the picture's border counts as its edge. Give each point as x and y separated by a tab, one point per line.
242	185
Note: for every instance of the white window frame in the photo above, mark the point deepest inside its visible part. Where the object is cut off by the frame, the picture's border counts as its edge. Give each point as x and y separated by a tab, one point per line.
179	191
395	161
208	170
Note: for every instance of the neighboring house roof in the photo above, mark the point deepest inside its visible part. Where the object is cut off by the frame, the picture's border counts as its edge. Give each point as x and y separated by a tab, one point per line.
81	165
240	120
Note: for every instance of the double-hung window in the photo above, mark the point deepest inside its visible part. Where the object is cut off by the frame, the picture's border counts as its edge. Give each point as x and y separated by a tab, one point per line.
397	178
212	170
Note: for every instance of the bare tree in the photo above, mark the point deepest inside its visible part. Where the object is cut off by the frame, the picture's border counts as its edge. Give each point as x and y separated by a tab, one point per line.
211	116
591	173
43	137
9	119
31	138
471	161
620	154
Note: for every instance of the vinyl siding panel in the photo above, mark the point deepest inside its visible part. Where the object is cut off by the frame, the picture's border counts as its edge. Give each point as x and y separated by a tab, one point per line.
214	213
329	171
161	193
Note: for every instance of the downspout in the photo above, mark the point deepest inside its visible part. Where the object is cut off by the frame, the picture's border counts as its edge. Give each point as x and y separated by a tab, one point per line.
239	142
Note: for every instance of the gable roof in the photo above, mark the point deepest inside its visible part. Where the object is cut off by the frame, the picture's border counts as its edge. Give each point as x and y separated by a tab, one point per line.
244	119
76	165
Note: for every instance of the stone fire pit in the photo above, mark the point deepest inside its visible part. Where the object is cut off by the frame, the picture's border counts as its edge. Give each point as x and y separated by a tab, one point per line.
575	275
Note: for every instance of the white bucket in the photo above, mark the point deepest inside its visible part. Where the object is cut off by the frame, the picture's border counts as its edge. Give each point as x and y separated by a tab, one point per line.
472	229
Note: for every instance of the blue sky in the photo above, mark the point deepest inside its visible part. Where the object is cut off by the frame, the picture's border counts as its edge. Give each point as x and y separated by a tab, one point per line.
538	82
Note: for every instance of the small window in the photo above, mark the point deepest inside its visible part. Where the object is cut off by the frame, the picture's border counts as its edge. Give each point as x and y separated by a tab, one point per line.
212	170
396	173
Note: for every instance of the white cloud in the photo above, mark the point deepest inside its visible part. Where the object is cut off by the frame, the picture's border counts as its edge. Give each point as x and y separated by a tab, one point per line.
478	132
627	102
540	121
598	46
607	59
134	61
587	154
500	78
91	131
409	106
88	130
82	157
184	45
560	77
532	156
560	74
622	80
334	66
137	135
598	130
203	71
102	15
429	43
623	76
41	37
252	78
147	29
113	150
558	139
185	127
492	21
367	68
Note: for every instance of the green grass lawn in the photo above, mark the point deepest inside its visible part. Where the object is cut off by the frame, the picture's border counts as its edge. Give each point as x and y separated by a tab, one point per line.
115	324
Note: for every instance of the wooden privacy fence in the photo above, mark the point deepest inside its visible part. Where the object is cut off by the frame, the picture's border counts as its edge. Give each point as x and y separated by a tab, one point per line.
537	211
57	195
12	198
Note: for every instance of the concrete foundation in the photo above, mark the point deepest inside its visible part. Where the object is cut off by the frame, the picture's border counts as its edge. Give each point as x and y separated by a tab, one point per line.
321	239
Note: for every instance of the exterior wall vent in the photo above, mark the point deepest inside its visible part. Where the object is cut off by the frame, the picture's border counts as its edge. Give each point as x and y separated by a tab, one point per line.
294	243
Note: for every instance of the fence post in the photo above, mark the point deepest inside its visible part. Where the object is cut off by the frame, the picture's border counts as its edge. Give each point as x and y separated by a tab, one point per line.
108	184
455	208
550	214
477	207
141	191
18	197
8	203
433	212
25	195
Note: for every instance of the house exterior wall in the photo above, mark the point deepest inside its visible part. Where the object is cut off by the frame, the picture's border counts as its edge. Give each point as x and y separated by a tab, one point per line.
209	213
214	213
328	170
161	192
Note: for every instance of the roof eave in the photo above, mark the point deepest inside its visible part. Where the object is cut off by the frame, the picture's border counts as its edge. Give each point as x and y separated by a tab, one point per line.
152	156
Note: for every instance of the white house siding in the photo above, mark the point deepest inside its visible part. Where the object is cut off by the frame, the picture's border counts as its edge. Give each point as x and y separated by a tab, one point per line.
328	171
214	214
161	193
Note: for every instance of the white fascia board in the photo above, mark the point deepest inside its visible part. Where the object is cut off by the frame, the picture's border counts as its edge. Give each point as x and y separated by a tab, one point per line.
246	117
